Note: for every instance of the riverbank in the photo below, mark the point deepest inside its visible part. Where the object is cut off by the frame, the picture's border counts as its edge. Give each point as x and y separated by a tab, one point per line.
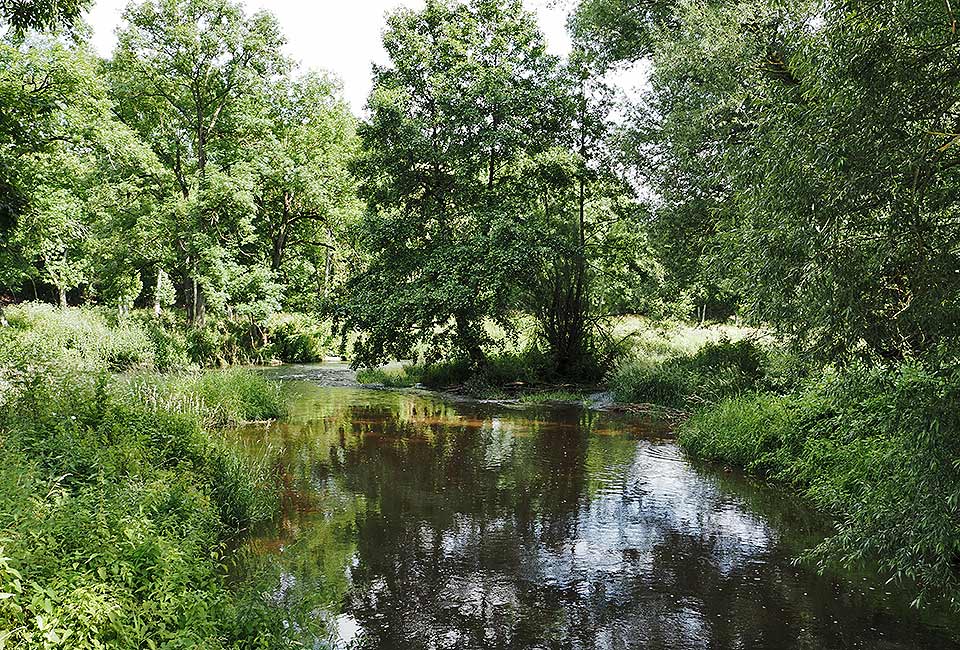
118	493
874	445
643	378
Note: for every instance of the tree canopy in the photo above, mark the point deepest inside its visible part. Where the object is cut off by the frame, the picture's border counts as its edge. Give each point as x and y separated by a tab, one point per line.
804	157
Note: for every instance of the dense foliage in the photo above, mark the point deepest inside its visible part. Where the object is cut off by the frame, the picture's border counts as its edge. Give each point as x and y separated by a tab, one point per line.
485	196
802	162
93	338
876	446
195	168
114	503
804	157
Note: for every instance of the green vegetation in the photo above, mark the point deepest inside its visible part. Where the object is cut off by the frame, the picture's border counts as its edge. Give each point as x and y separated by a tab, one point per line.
115	500
489	195
874	445
500	215
717	370
94	338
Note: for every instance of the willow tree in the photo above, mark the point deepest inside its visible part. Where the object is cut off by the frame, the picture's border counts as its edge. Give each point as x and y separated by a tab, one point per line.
807	156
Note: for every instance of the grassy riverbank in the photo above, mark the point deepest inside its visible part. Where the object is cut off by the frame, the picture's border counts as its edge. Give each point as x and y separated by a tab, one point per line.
875	445
117	494
644	362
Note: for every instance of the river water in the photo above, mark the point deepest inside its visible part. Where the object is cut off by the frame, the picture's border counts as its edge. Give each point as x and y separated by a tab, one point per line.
413	522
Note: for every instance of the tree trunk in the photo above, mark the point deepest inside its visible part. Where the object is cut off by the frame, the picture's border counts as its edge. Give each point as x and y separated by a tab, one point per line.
63	297
469	341
198	307
157	307
327	271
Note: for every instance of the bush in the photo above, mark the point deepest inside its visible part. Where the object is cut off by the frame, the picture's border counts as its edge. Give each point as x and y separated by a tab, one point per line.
114	511
528	367
84	337
94	338
874	446
297	338
717	370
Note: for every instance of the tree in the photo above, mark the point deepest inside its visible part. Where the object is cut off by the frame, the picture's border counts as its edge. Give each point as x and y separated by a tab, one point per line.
468	94
795	151
303	140
578	203
41	15
72	171
180	70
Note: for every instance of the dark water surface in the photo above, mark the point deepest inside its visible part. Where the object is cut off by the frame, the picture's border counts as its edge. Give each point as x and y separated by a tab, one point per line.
417	523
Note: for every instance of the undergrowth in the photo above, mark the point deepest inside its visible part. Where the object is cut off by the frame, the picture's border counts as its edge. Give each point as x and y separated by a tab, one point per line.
117	498
94	338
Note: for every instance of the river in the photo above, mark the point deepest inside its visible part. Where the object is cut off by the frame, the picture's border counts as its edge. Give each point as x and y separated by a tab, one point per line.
409	521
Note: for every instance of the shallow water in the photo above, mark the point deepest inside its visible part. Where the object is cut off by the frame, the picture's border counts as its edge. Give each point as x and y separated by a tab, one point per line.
409	522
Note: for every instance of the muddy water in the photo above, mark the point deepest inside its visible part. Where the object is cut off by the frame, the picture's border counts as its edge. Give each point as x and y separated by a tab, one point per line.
409	522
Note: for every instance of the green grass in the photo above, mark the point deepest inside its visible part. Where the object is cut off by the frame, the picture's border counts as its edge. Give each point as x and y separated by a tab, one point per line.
115	500
94	338
216	398
551	396
403	377
717	370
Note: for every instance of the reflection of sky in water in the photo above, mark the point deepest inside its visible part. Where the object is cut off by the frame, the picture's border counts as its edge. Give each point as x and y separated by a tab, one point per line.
483	527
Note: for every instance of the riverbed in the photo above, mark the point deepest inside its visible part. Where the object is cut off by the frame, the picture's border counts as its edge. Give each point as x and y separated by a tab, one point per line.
411	521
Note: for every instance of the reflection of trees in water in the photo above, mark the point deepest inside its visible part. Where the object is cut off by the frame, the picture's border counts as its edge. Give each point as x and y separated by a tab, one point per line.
468	527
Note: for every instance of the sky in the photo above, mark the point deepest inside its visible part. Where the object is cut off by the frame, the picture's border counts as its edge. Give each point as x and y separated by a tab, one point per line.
338	36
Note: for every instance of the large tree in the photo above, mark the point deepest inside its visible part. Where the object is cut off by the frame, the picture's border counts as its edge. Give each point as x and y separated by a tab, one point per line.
469	93
181	70
806	157
302	141
41	15
70	168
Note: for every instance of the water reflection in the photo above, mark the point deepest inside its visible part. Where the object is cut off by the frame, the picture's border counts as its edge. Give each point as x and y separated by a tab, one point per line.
413	523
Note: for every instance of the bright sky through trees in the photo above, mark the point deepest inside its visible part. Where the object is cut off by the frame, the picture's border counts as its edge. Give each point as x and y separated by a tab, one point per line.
341	37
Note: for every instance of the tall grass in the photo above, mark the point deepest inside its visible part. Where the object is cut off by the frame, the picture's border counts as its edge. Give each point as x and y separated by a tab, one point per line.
115	501
715	371
93	338
215	398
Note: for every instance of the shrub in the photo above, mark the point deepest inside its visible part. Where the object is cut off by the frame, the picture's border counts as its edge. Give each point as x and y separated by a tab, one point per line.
403	377
295	338
84	337
93	338
499	370
717	370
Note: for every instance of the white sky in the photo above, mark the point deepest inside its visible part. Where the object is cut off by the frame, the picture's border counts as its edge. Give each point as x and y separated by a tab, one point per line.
339	36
